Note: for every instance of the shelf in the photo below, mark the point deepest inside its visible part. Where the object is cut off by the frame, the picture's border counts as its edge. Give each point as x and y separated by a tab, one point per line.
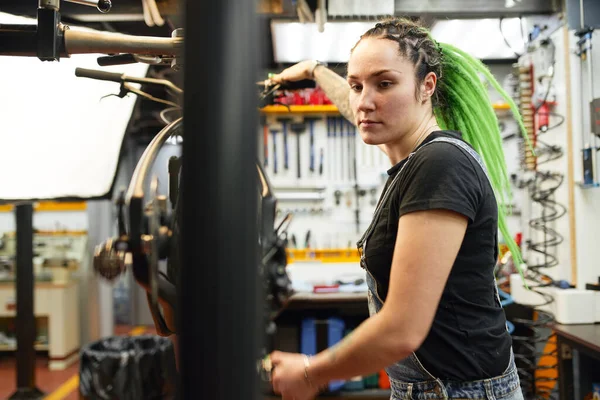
501	106
588	185
50	206
306	109
330	109
347	255
8	347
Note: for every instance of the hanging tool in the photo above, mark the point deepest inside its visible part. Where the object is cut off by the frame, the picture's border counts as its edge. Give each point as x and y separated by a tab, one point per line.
311	121
273	134
357	190
334	173
342	158
263	121
338	195
284	122
298	128
293	241
349	139
321	162
307	240
329	147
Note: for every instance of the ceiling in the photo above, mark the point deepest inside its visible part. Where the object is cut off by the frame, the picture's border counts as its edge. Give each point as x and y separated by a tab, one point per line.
131	10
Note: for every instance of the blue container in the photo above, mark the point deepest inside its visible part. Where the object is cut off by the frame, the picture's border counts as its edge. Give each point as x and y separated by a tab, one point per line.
317	335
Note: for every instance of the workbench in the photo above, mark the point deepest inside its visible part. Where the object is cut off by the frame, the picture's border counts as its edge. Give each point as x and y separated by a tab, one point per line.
59	303
578	359
347	305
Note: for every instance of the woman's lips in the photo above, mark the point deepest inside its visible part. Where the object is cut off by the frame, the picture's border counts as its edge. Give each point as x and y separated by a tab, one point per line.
367	123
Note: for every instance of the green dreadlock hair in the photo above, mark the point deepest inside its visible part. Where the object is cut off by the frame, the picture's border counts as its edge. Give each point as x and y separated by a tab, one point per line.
460	102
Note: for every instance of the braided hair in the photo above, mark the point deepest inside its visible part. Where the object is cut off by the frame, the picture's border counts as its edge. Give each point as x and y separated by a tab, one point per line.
460	102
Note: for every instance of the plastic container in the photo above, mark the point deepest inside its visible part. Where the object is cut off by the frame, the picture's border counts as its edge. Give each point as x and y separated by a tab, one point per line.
317	335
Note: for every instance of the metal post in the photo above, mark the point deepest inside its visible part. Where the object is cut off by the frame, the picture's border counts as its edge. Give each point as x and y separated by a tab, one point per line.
218	313
25	321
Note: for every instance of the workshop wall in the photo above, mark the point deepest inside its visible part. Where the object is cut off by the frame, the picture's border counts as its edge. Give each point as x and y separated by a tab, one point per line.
323	200
586	199
541	59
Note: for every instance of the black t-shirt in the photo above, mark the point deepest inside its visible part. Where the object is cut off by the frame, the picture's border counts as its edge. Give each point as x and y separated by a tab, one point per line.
468	339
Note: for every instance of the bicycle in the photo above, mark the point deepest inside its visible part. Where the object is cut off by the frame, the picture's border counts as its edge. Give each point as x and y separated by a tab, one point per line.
146	232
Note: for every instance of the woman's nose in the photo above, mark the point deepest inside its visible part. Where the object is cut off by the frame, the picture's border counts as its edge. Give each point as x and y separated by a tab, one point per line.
366	100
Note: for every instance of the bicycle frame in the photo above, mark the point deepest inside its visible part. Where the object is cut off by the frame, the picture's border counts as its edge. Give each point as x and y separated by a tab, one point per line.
50	39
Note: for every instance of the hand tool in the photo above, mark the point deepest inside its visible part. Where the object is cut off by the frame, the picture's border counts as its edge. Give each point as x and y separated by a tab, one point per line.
284	122
329	147
357	190
273	134
312	147
293	241
311	121
333	152
263	121
298	128
321	162
307	240
340	121
349	139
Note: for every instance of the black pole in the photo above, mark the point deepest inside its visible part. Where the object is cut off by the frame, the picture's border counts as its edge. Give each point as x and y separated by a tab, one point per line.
219	318
25	321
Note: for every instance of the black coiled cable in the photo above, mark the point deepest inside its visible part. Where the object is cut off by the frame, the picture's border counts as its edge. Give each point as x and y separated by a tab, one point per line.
536	380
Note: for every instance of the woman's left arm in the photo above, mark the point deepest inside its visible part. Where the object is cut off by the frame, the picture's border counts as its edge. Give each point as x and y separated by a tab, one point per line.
426	248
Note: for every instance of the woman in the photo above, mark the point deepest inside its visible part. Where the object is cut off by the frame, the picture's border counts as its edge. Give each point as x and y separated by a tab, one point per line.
436	323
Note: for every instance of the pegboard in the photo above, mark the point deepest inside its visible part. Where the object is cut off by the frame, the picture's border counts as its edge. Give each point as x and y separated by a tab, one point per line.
322	196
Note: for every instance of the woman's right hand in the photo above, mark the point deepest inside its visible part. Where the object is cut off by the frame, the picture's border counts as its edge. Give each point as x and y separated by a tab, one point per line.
297	72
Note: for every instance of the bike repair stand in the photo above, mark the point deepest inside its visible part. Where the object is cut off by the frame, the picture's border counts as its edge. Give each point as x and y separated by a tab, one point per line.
49	32
25	320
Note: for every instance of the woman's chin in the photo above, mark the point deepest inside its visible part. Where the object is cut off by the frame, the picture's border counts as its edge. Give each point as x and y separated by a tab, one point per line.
369	139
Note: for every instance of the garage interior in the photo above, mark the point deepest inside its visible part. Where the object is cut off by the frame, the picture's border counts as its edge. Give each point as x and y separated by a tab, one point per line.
101	261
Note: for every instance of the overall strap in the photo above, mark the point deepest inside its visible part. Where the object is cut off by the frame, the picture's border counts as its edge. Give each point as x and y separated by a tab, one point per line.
456	142
466	148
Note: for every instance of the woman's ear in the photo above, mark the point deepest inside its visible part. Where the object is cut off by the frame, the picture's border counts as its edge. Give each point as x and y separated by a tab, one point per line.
428	86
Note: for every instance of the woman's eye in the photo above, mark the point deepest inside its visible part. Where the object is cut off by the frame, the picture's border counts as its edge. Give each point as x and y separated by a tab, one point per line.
385	84
355	87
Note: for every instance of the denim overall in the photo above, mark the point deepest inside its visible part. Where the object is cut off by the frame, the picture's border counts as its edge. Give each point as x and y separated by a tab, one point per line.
409	379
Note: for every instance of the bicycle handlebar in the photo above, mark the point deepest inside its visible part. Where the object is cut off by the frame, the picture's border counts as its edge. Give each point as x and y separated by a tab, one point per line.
20	40
120	78
82	42
100	75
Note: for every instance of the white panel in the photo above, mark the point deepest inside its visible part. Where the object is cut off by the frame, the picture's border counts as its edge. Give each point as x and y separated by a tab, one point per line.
294	42
58	137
